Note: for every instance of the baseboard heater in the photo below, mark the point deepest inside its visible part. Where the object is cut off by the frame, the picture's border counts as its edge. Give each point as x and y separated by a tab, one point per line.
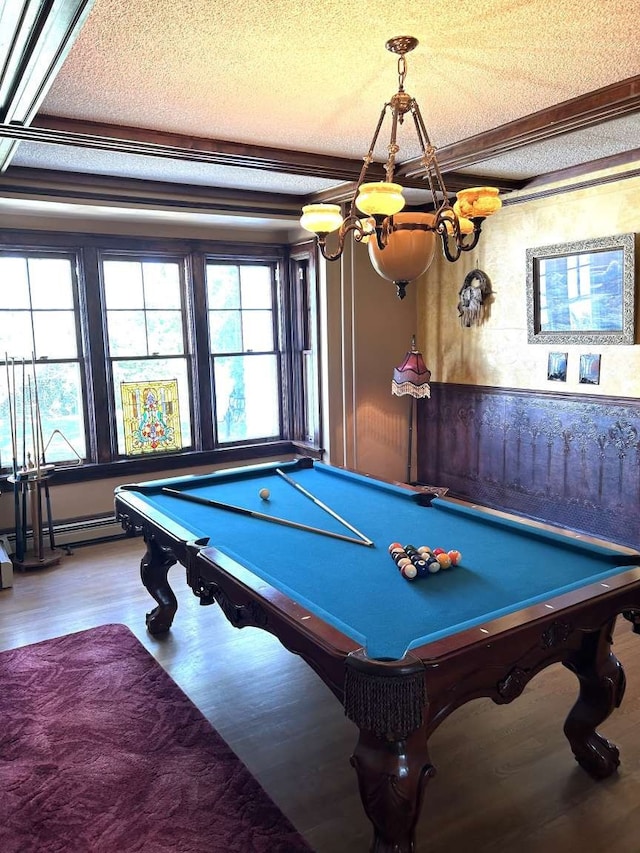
76	533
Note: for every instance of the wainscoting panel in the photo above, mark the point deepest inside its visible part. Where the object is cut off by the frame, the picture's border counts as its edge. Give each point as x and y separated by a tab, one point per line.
572	460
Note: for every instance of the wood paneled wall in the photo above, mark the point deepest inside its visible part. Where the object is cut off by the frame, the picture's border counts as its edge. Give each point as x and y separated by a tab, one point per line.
572	460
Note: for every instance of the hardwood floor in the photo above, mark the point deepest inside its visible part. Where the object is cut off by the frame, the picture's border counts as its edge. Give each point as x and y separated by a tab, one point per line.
506	780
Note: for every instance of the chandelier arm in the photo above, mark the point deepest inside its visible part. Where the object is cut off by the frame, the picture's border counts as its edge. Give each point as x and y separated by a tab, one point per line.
392	148
368	159
450	256
350	223
428	150
477	227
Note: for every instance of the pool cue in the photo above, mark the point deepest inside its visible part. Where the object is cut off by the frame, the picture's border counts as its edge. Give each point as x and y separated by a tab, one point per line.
38	414
14	452
24	454
35	431
41	454
24	417
196	499
323	506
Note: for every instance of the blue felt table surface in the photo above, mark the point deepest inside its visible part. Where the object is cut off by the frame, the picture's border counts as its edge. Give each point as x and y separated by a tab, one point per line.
505	565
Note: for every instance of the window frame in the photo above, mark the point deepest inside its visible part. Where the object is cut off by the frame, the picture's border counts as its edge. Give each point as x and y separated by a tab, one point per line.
89	300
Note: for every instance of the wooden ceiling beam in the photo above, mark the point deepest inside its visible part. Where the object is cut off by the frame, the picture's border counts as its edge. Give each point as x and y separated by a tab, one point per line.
585	111
136	140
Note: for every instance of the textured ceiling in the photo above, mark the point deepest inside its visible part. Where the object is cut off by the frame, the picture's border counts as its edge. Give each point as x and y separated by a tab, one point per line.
314	77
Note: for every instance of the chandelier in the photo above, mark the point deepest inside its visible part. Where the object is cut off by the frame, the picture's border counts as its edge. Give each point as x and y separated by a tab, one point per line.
402	244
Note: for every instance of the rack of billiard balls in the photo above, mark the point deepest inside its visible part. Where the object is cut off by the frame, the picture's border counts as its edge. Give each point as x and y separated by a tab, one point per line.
421	562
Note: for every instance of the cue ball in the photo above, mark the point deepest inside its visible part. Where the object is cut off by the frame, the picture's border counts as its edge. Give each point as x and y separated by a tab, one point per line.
264	494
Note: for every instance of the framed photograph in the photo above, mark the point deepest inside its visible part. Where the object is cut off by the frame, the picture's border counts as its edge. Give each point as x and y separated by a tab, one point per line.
582	293
589	369
557	367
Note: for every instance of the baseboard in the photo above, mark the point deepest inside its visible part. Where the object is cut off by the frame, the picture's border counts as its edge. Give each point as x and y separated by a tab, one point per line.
75	533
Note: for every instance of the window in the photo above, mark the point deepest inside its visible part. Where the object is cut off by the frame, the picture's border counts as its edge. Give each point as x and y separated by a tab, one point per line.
146	342
242	331
144	349
39	320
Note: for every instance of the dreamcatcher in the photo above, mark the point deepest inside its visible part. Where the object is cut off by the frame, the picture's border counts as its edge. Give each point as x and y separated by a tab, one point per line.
473	293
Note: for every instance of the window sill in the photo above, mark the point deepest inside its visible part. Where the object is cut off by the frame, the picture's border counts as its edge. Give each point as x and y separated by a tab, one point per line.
126	470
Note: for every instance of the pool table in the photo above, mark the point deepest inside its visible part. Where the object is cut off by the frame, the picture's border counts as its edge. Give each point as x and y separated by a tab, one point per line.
400	654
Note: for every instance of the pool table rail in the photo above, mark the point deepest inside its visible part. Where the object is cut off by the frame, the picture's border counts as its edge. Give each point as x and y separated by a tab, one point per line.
248	600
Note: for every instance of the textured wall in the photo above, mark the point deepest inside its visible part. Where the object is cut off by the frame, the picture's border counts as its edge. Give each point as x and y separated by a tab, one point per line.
497	353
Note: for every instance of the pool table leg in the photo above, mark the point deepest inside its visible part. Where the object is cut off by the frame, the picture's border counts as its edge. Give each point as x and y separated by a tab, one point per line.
392	777
387	700
602	685
154	568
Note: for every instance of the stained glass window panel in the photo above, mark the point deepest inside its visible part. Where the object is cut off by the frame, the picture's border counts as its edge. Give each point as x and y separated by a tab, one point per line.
151	416
148	371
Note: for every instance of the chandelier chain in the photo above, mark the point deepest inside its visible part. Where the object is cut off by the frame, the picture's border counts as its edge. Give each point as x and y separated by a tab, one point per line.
402	72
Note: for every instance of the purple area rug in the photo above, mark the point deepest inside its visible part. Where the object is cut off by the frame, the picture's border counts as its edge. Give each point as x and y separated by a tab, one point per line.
100	750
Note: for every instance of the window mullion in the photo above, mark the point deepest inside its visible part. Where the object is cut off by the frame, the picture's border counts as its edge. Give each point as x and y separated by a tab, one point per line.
197	314
99	402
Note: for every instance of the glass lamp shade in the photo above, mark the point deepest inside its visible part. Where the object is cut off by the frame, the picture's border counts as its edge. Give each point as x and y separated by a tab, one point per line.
408	253
380	199
477	201
321	218
466	225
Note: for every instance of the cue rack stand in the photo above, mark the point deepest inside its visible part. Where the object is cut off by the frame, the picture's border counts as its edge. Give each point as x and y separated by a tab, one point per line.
30	480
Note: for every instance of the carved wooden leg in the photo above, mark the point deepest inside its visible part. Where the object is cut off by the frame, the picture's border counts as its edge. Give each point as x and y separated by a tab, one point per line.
634	617
602	684
387	701
154	567
391	778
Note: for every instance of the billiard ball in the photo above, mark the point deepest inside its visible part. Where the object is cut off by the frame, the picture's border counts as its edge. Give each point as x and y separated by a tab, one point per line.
437	551
424	549
421	567
409	572
433	565
444	560
455	557
395	546
264	494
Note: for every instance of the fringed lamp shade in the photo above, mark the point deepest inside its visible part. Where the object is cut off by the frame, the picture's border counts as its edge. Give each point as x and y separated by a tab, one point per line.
412	376
411	379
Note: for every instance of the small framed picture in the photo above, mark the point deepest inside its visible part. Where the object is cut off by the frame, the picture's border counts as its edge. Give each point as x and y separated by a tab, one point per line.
557	367
590	369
